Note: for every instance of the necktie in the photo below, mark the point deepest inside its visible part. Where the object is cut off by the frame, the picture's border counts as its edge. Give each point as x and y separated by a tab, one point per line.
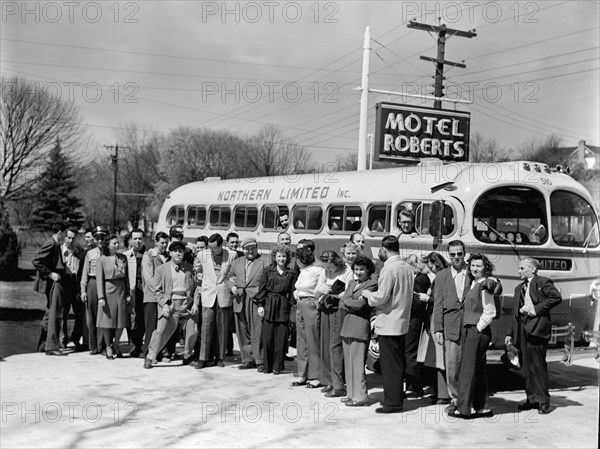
177	268
523	292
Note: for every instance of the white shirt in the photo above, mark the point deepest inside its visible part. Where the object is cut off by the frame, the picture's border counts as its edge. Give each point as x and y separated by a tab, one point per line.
69	260
459	281
307	281
528	306
178	282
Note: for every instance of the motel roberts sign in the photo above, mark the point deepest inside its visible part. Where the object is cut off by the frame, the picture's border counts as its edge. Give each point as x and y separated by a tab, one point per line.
406	133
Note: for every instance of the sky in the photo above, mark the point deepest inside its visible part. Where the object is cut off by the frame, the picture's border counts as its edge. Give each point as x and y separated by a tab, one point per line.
532	69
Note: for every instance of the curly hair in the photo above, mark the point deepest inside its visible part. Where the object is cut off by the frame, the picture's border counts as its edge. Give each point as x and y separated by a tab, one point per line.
104	250
305	255
334	258
366	262
488	267
283	249
437	260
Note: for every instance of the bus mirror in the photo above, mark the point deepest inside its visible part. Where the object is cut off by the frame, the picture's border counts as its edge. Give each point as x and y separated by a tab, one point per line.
436	216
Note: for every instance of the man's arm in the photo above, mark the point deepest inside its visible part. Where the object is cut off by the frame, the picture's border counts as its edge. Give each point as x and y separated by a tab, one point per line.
384	289
550	297
40	259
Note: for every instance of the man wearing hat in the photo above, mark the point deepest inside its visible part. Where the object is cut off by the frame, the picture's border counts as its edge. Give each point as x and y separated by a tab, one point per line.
89	294
173	287
246	273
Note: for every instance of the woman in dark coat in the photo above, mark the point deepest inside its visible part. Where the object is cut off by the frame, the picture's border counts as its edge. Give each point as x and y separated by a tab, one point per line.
356	330
274	302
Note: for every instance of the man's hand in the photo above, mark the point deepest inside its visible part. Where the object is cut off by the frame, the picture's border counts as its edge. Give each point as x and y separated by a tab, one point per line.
55	277
261	312
83	296
236	291
439	338
166	310
101	302
194	310
423	297
508	340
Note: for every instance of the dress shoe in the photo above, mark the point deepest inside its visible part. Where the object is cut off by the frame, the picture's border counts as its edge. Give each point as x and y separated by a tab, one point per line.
357	404
187	361
335	394
346	399
450	409
110	357
299	383
229	354
94	352
288	358
528	406
483	413
247	365
276	372
260	368
56	352
119	355
134	354
544	409
386	409
148	364
326	389
220	364
442	401
201	364
413	394
314	384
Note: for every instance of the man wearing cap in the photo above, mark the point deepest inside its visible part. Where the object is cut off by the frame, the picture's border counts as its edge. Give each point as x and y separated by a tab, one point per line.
89	294
173	287
531	327
134	256
245	275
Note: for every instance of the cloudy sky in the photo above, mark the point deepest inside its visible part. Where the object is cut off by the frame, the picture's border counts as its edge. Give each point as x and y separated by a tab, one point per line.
532	69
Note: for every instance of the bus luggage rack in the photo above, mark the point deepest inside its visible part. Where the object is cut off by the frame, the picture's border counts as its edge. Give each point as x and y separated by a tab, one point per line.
570	352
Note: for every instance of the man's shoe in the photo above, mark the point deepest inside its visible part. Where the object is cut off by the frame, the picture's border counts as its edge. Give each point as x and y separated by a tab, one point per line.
442	401
220	364
134	354
326	389
450	409
413	394
56	352
528	406
357	404
288	358
346	399
335	394
187	361
247	365
544	409
275	372
260	368
386	409
229	354
148	364
94	352
201	364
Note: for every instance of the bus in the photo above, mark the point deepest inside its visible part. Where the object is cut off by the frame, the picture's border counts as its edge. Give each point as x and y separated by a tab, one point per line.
503	210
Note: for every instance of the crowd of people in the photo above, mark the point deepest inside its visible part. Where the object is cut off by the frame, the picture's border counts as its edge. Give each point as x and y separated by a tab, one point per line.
429	315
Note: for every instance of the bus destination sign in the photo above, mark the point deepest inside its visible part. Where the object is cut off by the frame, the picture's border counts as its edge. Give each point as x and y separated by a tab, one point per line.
555	264
406	133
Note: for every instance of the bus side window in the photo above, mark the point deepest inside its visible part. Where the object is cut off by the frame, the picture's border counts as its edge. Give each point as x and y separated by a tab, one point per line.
220	217
344	218
378	218
196	216
307	218
176	216
245	217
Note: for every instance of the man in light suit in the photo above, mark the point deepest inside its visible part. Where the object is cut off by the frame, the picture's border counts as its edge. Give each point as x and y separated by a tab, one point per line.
392	302
50	267
245	275
451	287
134	256
531	327
214	263
173	286
151	260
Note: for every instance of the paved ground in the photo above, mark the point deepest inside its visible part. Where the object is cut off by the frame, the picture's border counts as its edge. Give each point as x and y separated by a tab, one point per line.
85	401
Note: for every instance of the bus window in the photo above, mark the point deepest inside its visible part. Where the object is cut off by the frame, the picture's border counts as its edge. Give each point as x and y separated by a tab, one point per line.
175	216
245	217
196	216
573	220
220	217
378	218
275	218
514	215
344	218
307	218
414	216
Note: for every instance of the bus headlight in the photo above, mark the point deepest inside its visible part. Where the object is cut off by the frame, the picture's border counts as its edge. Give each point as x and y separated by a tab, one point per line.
595	290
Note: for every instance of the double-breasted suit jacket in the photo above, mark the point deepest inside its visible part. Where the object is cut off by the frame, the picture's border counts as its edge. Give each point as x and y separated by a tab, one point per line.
214	287
47	260
249	282
544	296
447	308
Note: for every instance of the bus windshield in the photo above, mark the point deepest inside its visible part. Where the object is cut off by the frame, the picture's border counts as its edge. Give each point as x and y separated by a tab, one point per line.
573	220
511	215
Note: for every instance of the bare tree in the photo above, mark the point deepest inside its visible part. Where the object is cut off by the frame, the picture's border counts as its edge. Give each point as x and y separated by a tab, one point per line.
273	154
30	122
483	149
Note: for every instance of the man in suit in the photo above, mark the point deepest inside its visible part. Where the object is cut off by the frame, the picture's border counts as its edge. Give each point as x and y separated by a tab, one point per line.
245	275
214	263
173	286
49	265
451	287
531	327
392	302
151	260
72	257
134	256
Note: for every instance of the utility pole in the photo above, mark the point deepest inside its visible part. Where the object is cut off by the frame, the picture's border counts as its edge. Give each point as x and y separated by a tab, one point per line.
442	32
364	103
115	161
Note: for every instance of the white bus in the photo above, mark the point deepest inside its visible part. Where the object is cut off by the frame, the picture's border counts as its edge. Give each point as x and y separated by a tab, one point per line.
504	210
